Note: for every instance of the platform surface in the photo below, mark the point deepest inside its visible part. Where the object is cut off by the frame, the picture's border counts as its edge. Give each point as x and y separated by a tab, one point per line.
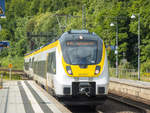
27	97
135	83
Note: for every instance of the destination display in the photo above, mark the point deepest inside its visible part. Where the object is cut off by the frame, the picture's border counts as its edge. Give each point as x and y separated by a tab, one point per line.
81	43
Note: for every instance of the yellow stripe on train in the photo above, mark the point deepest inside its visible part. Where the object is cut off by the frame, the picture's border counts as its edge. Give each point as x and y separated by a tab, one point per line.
43	49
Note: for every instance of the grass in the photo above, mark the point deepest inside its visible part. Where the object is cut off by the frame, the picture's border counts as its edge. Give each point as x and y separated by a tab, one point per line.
17	63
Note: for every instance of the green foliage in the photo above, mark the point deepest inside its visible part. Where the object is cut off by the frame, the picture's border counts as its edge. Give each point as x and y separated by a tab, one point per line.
5	34
39	16
17	62
145	67
111	58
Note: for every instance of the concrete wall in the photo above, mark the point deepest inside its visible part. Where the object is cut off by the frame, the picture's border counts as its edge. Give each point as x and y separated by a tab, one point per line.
136	90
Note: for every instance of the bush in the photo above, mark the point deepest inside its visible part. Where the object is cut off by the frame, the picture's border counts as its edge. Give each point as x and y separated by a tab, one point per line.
145	67
16	61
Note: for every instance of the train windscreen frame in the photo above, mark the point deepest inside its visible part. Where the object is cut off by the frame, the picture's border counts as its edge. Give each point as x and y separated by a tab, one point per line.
75	38
81	52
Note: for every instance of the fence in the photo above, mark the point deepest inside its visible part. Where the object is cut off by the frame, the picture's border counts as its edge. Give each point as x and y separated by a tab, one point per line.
129	74
15	74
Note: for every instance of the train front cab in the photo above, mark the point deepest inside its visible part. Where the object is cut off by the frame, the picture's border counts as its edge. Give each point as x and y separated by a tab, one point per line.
82	84
86	90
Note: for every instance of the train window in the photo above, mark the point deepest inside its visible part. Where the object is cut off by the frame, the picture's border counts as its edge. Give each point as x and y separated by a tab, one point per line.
51	67
54	63
82	52
36	67
42	69
32	65
26	65
90	44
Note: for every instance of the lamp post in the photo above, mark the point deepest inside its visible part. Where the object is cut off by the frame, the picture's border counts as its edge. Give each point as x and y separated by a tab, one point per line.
133	17
116	51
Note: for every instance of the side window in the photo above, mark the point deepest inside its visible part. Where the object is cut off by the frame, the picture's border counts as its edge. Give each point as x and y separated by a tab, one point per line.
30	62
26	65
51	67
34	67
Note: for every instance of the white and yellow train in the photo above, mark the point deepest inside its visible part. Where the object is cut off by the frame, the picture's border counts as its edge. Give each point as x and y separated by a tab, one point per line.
74	68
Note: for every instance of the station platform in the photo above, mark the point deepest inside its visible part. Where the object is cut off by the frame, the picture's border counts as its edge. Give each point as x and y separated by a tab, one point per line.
133	89
27	97
135	83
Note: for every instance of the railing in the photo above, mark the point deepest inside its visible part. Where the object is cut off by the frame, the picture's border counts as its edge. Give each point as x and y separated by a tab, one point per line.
13	70
129	74
14	75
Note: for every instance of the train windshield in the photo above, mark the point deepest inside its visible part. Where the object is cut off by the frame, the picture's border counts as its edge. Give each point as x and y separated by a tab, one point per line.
81	52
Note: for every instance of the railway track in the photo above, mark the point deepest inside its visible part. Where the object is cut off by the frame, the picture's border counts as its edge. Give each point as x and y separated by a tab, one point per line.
144	108
114	104
13	70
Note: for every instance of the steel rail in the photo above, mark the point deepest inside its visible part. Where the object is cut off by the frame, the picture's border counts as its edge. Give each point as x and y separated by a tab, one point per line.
139	105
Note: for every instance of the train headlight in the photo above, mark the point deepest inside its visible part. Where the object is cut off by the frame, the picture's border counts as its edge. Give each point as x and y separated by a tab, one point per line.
69	70
97	70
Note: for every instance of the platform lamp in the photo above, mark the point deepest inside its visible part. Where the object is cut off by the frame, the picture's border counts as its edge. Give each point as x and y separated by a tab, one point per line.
134	17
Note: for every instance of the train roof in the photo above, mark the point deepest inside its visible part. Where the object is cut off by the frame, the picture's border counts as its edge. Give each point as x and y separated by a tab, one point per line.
52	44
63	37
76	33
38	48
